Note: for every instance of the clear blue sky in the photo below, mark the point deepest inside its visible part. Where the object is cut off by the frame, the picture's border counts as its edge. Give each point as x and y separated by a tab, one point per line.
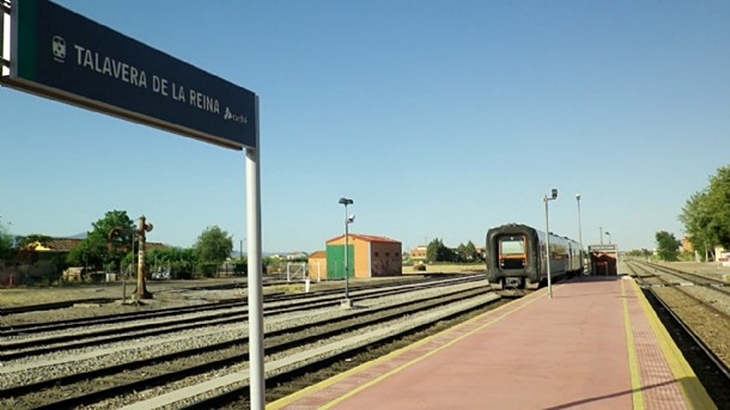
440	119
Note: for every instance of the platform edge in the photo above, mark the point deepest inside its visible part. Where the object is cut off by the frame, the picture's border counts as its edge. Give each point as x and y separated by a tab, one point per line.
694	392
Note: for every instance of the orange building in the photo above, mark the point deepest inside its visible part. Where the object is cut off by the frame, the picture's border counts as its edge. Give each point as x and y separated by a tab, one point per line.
317	263
369	256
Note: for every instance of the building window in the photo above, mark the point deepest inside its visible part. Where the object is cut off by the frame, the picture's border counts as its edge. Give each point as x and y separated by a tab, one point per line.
387	253
376	254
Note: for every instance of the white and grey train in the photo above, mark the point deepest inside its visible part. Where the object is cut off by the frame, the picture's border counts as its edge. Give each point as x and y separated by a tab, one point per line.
516	257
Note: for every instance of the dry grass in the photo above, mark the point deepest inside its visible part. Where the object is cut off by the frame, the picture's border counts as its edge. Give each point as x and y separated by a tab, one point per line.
446	268
35	296
13	297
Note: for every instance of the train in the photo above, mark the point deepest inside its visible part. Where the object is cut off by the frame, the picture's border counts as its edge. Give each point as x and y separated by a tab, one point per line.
515	257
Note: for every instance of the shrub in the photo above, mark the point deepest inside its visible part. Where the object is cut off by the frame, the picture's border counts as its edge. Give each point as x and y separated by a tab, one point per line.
181	270
208	269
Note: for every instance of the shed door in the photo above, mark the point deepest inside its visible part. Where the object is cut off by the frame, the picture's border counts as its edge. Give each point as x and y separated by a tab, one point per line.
336	261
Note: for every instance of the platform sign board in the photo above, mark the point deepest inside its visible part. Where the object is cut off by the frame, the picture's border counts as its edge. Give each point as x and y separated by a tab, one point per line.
602	248
62	55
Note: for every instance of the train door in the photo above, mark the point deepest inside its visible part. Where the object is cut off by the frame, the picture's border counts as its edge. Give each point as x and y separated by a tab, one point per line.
569	265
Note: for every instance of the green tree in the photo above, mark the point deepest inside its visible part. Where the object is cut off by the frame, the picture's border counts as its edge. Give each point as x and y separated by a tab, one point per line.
106	244
698	222
6	242
180	261
718	202
213	246
436	251
667	246
468	252
706	215
642	253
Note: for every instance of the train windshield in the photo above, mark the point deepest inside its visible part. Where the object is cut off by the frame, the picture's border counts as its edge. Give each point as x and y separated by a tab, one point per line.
511	245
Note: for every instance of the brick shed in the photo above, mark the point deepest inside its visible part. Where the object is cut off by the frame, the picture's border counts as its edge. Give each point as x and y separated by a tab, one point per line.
369	257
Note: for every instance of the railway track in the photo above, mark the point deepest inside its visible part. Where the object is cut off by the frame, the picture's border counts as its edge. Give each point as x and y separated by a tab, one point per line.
685	277
120	327
26	328
698	317
708	283
72	390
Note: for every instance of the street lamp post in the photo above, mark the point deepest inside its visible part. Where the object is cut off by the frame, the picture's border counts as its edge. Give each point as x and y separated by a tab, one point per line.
348	221
609	237
580	232
600	234
554	195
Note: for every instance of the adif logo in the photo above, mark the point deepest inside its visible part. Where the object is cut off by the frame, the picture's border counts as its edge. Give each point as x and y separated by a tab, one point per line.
228	115
59	49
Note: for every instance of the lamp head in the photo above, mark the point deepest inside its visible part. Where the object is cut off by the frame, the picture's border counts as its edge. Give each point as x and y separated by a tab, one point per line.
577	197
351	219
345	201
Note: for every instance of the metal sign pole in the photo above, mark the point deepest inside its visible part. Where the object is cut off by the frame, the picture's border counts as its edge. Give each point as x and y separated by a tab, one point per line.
255	279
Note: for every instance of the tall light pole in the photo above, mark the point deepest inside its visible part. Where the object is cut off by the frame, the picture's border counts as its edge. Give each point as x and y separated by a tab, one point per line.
348	221
580	232
609	237
600	234
554	195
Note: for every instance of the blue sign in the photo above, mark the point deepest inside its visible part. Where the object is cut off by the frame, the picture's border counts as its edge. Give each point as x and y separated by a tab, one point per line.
63	55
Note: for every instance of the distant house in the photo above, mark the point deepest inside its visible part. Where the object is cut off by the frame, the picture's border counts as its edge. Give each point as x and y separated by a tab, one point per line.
369	256
296	256
317	265
418	253
686	246
58	245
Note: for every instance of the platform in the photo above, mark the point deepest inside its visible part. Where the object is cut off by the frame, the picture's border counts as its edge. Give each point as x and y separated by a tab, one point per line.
597	344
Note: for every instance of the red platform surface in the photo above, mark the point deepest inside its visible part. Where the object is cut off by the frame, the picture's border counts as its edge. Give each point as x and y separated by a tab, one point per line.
595	345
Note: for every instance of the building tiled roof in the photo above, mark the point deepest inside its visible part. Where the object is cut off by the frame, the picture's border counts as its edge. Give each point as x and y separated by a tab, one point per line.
57	245
68	244
367	238
318	254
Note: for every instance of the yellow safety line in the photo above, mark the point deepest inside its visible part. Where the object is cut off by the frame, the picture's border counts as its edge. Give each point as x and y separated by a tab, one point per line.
694	392
285	401
636	391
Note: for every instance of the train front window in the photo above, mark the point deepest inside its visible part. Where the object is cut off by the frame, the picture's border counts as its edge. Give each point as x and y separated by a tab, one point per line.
512	252
512	246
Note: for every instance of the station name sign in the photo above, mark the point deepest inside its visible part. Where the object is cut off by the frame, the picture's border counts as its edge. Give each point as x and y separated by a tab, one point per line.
602	248
62	55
